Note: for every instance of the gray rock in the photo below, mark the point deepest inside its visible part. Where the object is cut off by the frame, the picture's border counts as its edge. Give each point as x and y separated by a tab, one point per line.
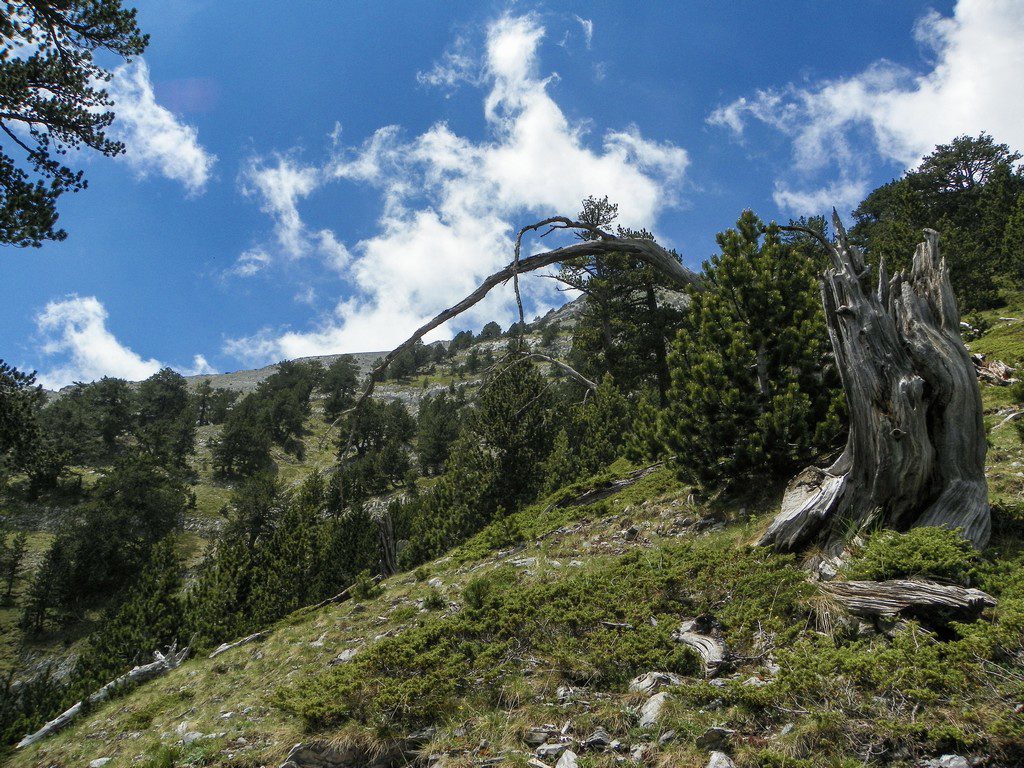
714	738
949	761
347	655
539	734
99	762
551	750
720	760
192	737
652	682
638	752
650	713
567	760
598	740
436	583
666	737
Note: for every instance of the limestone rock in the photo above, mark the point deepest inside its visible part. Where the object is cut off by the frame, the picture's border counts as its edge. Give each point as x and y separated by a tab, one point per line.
720	760
651	711
652	682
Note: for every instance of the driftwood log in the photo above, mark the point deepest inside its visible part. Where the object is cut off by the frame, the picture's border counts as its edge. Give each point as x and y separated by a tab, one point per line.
921	599
225	647
915	453
163	662
711	651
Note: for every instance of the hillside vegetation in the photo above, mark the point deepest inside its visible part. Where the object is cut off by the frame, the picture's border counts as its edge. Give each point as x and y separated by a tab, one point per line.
495	562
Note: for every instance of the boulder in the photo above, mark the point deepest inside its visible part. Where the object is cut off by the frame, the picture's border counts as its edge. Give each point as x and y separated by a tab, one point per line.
650	713
720	760
652	682
714	738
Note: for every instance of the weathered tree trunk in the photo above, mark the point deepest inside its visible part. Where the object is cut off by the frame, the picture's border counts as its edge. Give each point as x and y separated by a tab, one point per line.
922	599
915	454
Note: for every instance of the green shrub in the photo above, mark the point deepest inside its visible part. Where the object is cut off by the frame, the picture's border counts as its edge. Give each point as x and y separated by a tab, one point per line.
599	627
935	553
434	601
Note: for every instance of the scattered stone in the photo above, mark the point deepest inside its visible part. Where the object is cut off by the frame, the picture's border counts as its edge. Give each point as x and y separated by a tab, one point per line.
598	740
99	762
948	761
639	751
567	760
347	655
631	533
192	737
564	694
720	760
539	734
787	729
652	682
714	738
651	711
551	750
666	737
435	582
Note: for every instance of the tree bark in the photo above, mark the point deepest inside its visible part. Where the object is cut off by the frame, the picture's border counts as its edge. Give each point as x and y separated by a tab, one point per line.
922	599
915	453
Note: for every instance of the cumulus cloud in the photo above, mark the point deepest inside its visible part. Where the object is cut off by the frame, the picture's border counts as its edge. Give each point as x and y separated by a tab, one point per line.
977	56
75	328
156	141
450	204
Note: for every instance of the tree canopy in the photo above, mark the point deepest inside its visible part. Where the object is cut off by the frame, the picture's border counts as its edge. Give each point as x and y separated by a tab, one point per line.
52	100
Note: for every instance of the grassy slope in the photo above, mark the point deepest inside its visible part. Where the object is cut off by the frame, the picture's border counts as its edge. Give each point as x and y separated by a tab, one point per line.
833	699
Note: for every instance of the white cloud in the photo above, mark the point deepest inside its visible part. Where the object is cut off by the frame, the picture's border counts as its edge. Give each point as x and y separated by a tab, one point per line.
76	329
971	86
200	365
450	204
457	66
279	187
588	29
155	140
250	262
843	195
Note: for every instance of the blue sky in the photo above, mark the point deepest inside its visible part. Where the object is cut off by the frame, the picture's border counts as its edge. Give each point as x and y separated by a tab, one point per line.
323	178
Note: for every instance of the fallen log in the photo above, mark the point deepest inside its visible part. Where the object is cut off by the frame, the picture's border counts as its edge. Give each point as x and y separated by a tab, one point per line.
163	662
711	651
921	599
225	647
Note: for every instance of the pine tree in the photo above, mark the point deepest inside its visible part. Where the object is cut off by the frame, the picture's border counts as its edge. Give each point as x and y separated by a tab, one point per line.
339	386
148	618
751	392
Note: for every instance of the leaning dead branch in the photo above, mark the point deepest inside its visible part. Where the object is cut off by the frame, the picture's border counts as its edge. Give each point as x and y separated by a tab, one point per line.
163	662
606	244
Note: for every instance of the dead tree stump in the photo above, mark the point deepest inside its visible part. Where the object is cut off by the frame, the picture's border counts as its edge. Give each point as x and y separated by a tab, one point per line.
915	453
